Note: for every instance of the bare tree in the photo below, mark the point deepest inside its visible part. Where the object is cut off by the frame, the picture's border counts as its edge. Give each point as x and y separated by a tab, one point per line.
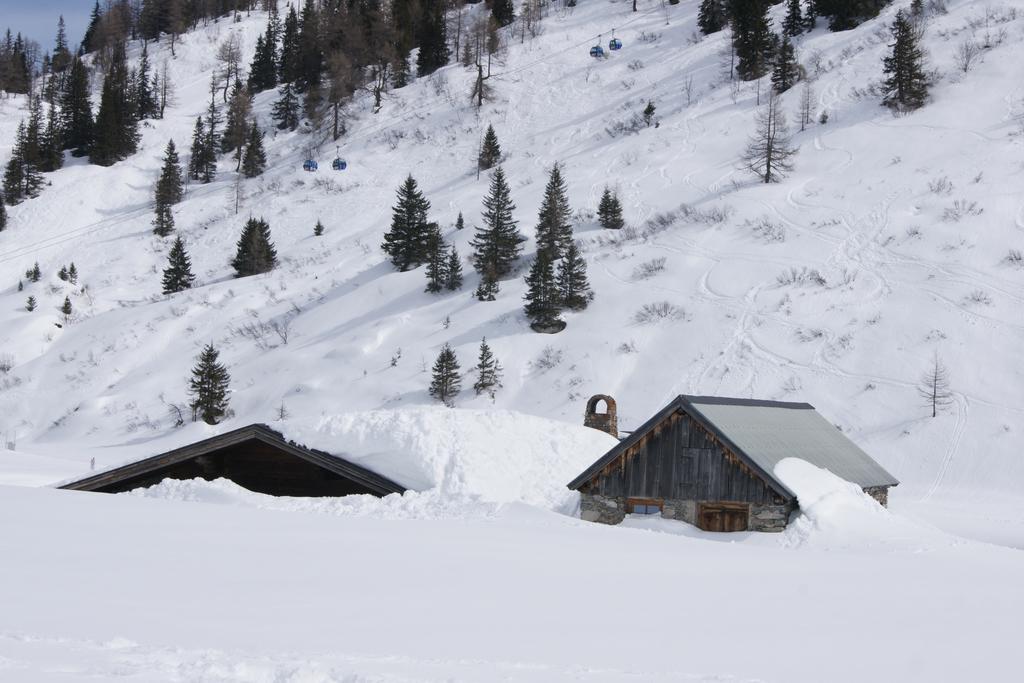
769	153
966	54
229	54
806	104
165	90
934	386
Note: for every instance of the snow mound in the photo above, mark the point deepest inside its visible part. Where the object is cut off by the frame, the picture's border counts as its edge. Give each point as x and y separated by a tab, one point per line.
835	513
496	455
412	505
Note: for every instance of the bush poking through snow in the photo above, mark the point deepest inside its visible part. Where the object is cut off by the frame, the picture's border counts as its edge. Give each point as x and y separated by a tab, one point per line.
6	363
978	297
1014	258
649	269
767	231
549	358
960	209
658	311
942	186
801	276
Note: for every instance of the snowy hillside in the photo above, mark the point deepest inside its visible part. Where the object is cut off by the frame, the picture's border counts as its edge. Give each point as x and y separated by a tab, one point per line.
892	241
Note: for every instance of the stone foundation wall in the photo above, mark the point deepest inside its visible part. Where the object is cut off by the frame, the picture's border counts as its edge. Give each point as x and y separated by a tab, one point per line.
771	518
606	510
879	493
595	508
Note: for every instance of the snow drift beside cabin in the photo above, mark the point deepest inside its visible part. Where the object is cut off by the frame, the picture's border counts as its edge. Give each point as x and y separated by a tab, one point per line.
498	455
835	513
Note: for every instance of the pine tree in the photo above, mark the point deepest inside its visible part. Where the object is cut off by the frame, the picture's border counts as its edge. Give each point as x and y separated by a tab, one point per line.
62	274
711	17
30	304
769	152
906	86
286	108
310	62
236	126
89	40
437	260
573	288
811	15
445	382
318	229
116	133
460	224
753	39
554	226
197	154
542	296
497	244
786	73
453	271
51	143
262	71
406	241
3	213
170	186
487	289
254	161
73	274
609	211
163	221
35	274
209	387
490	151
213	120
503	12
178	274
793	24
61	54
76	111
488	371
290	55
145	100
65	308
433	39
22	178
256	253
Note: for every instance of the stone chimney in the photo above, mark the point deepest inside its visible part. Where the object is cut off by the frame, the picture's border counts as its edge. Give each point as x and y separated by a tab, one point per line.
607	421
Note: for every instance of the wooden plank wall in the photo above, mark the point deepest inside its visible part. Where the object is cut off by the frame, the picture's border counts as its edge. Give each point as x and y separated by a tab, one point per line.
680	460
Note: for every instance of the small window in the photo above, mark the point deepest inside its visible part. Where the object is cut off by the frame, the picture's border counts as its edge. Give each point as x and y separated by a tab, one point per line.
644	506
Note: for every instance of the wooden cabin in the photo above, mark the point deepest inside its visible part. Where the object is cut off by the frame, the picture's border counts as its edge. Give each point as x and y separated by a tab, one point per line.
709	461
255	457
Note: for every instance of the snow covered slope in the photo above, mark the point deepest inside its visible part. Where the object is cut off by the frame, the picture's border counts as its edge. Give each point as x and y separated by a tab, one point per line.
835	287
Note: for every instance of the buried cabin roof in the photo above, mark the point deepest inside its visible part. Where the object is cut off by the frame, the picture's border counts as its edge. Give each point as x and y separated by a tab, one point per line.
762	433
255	432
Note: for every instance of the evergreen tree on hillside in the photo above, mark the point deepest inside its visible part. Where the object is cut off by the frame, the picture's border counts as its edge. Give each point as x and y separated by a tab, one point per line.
906	86
793	24
256	253
22	178
89	40
66	308
170	187
433	39
497	244
61	58
573	288
445	382
487	289
786	73
460	224
145	99
711	17
290	56
116	129
554	224
178	274
453	271
810	15
76	110
209	387
846	14
254	161
3	213
210	138
752	39
609	211
406	241
490	151
437	260
197	153
286	108
163	221
503	12
262	70
310	55
488	371
236	125
51	142
318	229
543	302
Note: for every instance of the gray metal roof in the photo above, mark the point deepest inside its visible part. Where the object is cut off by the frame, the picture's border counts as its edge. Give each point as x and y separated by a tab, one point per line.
762	433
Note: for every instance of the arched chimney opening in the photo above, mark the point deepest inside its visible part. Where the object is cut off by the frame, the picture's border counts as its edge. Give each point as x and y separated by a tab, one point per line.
606	420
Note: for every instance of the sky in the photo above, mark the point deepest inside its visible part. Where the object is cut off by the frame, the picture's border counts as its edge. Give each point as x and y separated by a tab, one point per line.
37	19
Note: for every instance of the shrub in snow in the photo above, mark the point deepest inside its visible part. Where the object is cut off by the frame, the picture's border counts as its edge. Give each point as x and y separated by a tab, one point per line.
658	311
549	358
649	269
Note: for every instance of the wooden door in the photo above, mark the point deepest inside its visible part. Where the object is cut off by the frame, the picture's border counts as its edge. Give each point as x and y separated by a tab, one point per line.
723	516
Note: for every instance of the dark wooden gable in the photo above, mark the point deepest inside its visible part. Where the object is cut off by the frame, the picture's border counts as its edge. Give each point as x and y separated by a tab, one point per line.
254	457
677	457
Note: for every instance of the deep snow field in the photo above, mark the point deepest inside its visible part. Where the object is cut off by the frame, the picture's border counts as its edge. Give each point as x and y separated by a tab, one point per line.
887	244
